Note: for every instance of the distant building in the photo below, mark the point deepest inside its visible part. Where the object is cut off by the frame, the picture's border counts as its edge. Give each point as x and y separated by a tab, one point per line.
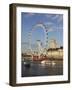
56	53
53	44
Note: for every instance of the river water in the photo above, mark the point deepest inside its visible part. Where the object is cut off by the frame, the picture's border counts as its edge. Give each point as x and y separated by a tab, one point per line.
53	67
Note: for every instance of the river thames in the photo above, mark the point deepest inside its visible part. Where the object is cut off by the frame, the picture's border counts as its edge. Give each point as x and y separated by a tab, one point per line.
52	67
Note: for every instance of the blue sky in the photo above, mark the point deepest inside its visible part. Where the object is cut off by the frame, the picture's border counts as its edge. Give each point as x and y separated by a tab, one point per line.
53	22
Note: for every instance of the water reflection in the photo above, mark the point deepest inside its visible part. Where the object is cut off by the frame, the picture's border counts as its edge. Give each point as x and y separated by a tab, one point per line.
42	68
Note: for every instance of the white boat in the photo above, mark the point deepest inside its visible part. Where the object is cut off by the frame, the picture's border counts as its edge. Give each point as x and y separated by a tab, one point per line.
46	62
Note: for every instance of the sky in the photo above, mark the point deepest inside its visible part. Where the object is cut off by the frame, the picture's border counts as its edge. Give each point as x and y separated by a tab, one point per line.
52	22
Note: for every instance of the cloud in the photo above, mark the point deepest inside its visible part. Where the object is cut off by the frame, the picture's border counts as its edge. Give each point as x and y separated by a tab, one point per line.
29	14
57	17
52	27
49	23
